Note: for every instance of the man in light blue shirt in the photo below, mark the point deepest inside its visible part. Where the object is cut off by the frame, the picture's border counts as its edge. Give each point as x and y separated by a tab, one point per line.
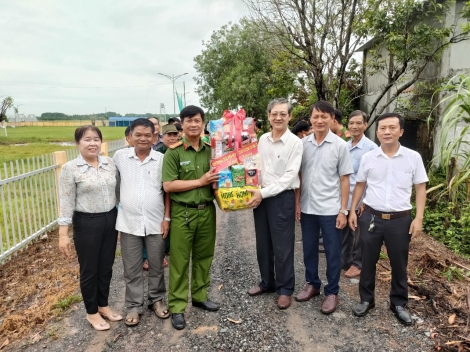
351	256
321	204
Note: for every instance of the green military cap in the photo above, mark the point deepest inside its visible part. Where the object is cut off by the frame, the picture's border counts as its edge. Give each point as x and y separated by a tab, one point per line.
169	129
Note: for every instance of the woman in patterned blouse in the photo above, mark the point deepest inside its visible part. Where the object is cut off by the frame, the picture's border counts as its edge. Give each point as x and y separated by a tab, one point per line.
87	189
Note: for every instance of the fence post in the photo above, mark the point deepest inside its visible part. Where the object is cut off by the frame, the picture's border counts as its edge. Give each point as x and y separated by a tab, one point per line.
60	158
104	149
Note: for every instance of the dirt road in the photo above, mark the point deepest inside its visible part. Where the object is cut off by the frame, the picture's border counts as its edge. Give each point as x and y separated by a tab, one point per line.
262	326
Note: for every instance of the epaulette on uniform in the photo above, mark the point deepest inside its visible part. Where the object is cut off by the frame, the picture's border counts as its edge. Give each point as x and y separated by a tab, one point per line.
208	144
177	144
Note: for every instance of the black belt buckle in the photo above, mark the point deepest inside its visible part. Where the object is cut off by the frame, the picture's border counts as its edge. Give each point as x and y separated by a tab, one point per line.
201	206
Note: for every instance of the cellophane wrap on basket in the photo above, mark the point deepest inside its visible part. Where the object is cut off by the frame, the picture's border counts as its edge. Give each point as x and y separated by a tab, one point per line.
235	198
234	147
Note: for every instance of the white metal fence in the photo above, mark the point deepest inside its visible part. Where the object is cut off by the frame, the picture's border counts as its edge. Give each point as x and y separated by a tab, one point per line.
29	198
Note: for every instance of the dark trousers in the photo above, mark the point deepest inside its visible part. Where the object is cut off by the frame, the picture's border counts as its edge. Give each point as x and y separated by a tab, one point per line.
351	248
275	238
311	226
95	238
397	240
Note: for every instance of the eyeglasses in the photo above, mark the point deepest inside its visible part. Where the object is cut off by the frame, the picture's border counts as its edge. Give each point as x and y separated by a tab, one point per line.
281	114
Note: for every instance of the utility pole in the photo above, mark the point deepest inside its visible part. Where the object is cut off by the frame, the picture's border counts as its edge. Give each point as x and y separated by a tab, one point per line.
173	78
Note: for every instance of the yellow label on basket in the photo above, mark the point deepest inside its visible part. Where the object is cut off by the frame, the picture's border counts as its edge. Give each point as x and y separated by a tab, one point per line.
234	198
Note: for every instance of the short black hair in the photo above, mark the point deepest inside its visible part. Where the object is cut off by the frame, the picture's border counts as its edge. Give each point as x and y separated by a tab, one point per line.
191	111
171	120
206	131
358	113
323	106
79	132
391	114
339	116
127	131
259	124
142	122
178	126
300	126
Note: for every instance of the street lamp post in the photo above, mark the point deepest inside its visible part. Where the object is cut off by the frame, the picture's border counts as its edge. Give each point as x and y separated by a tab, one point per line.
173	78
16	115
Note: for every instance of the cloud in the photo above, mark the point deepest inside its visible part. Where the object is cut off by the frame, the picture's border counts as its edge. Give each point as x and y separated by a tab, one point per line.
55	53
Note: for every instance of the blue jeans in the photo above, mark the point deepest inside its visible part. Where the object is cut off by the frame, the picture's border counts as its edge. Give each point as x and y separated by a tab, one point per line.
311	226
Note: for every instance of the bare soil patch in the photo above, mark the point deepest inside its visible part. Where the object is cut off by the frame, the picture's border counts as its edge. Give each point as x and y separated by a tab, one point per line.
32	283
439	286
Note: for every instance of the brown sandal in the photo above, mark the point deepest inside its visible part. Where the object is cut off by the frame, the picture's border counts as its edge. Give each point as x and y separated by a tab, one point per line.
160	309
131	316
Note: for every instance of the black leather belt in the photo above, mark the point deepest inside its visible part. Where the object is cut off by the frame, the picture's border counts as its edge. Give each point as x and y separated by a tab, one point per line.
195	206
387	216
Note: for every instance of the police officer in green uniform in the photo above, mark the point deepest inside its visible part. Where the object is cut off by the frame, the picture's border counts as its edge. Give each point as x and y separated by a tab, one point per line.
338	128
187	176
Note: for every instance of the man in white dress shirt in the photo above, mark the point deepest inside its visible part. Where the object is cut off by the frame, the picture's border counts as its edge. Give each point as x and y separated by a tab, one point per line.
281	155
142	219
389	173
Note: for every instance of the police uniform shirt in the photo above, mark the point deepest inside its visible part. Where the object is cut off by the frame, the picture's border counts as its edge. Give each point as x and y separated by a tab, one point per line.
344	134
182	162
390	180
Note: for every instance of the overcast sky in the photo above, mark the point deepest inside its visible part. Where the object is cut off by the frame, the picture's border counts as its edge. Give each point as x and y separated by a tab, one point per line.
53	52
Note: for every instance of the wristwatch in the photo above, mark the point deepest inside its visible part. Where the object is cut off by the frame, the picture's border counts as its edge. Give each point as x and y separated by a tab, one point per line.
167	219
345	212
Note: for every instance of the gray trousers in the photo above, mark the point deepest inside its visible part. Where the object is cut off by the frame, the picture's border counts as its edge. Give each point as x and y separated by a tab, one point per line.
275	239
131	250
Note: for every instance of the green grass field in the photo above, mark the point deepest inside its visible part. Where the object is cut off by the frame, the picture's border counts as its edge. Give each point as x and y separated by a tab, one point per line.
24	142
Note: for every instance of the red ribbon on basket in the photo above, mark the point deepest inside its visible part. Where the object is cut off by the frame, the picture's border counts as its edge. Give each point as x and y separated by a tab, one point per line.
235	121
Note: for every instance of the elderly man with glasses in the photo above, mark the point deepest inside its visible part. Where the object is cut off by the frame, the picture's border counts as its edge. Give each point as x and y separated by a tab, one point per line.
281	155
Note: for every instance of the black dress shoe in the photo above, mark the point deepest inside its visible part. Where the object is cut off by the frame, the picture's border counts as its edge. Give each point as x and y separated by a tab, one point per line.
362	308
177	320
402	314
207	305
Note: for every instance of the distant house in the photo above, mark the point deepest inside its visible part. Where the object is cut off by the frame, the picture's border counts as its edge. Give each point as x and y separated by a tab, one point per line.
122	121
455	60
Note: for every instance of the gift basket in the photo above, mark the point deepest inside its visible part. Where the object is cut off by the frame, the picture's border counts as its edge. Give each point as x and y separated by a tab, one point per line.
234	148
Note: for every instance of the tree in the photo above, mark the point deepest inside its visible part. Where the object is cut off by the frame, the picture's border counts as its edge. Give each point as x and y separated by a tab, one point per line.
242	67
6	104
409	35
322	36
